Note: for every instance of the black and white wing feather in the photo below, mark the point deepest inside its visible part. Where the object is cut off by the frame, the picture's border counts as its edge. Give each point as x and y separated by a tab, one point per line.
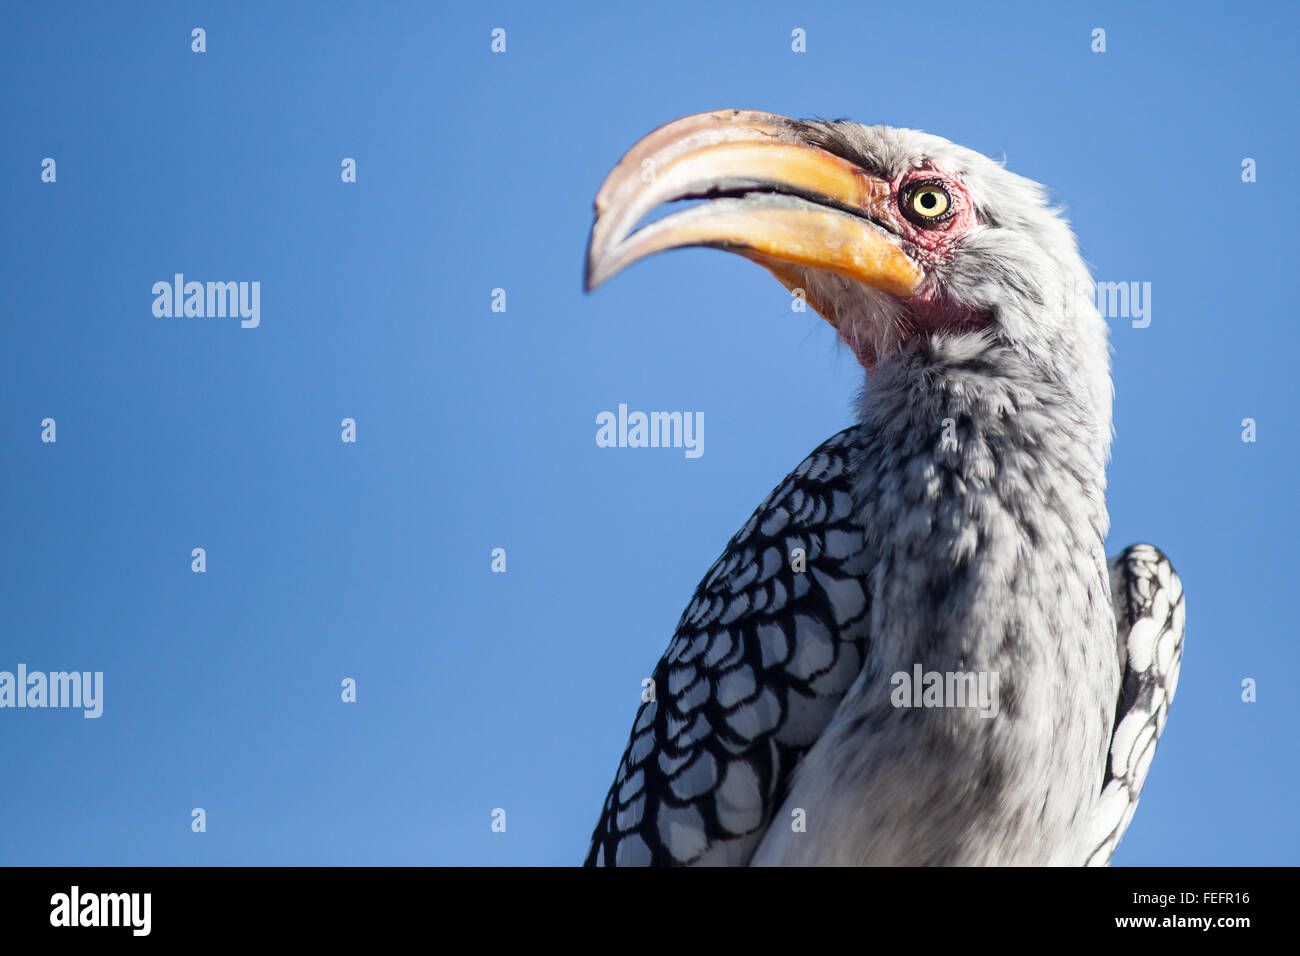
758	665
1149	618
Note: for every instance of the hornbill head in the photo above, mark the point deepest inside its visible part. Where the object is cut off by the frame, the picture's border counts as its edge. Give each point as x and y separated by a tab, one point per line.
894	236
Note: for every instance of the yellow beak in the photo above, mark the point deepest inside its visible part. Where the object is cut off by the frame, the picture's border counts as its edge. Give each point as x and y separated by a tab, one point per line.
783	203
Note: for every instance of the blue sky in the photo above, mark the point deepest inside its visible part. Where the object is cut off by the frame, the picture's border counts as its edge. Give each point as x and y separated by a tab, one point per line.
475	429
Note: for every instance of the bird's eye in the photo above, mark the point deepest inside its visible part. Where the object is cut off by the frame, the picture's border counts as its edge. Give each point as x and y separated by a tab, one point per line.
927	203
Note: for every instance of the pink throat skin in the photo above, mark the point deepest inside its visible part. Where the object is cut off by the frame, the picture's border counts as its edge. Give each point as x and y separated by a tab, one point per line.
927	319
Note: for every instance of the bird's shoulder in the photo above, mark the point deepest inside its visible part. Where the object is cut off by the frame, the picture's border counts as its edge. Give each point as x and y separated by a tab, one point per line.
771	640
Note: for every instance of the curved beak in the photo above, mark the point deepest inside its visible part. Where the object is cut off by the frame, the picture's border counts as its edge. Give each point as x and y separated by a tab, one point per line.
774	198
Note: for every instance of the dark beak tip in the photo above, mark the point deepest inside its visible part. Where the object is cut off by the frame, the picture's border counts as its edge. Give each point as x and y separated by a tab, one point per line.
590	277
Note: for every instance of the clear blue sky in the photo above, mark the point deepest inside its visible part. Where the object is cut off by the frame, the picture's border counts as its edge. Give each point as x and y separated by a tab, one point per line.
476	429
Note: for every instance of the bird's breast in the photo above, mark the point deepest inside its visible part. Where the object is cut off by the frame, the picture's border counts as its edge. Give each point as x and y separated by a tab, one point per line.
976	732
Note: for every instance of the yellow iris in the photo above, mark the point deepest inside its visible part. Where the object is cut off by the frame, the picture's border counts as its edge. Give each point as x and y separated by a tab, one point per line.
930	201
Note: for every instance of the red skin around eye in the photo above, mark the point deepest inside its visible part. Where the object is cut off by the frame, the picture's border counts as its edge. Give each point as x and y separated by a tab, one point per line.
930	311
934	242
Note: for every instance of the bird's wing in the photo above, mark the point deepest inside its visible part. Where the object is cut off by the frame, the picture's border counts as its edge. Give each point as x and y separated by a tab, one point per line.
1149	616
758	664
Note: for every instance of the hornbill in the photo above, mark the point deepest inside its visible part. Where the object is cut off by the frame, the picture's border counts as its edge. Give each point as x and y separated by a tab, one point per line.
954	535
